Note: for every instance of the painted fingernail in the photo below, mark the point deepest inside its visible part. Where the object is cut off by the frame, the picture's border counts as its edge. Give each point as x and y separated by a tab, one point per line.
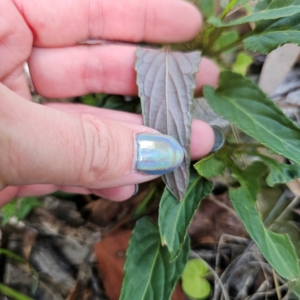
157	154
219	138
136	190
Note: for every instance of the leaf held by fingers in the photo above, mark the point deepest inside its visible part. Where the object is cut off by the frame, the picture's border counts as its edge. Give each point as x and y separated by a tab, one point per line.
166	82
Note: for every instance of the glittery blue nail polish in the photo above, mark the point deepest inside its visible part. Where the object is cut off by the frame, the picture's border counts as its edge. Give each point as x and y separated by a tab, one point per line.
157	154
219	138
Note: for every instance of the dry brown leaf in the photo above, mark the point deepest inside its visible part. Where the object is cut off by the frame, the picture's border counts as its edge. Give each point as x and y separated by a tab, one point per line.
277	64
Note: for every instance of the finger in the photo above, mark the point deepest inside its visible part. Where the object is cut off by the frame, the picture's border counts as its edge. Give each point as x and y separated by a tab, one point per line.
116	194
81	70
15	39
54	147
8	194
65	23
202	138
16	81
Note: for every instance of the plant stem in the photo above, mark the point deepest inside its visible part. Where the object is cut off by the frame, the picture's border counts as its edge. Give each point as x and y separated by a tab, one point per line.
227	9
12	293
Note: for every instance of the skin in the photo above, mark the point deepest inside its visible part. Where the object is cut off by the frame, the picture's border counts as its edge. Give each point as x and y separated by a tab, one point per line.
76	148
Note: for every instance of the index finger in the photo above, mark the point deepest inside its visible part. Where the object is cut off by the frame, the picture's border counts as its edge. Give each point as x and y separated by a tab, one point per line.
66	23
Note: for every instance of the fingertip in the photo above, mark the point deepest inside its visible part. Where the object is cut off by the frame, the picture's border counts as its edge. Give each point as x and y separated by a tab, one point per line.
117	194
208	75
189	20
202	139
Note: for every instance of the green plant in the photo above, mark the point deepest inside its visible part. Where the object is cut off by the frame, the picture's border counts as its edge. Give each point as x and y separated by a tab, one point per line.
194	283
156	255
18	208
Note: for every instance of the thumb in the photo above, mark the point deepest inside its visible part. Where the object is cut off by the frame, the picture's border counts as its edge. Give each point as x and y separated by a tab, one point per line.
42	145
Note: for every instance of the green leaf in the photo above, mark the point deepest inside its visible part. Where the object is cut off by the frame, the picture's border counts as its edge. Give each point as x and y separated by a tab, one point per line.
196	287
276	248
206	7
18	208
25	207
268	35
241	102
280	173
226	39
12	256
89	100
9	210
262	5
210	166
242	63
5	290
195	267
175	217
194	284
149	274
275	10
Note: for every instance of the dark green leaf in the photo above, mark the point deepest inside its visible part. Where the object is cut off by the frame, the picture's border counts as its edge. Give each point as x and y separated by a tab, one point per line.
241	102
175	217
89	100
268	35
166	81
275	10
206	7
226	39
262	5
280	173
210	166
149	274
276	248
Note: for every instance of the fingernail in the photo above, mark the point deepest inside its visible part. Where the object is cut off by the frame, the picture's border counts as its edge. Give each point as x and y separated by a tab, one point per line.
219	138
157	154
136	190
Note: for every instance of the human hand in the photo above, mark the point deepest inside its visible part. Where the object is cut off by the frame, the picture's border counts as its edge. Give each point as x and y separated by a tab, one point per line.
70	147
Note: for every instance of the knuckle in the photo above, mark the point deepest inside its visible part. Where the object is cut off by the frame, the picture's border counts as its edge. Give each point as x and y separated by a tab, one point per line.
98	151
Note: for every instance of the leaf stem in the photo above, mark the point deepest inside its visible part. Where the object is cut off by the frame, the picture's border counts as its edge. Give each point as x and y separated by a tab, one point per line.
227	9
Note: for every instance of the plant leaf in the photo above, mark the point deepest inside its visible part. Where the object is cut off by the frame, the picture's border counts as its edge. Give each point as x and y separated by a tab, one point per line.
175	217
276	248
25	207
226	39
206	7
149	274
268	35
194	283
241	102
280	173
8	211
242	63
210	166
275	10
166	82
